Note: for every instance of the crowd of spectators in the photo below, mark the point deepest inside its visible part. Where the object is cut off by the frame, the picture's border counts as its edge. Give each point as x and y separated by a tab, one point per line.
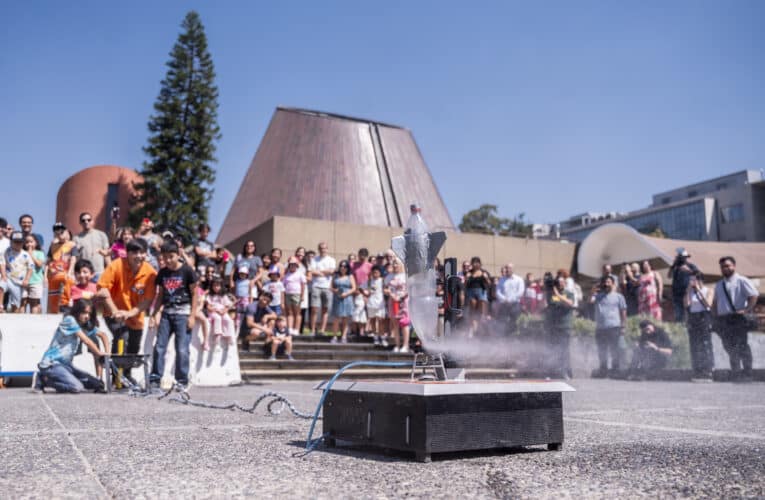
247	295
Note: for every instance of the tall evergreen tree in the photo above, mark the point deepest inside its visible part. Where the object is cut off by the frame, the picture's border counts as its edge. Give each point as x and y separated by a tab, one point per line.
178	176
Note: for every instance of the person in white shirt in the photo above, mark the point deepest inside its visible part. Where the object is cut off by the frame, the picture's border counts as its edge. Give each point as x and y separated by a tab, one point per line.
735	298
322	267
510	288
698	300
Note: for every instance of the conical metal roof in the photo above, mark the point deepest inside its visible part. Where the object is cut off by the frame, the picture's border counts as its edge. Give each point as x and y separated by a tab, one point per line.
332	167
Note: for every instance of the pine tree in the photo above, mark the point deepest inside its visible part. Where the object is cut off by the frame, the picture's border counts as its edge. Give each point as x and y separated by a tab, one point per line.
178	176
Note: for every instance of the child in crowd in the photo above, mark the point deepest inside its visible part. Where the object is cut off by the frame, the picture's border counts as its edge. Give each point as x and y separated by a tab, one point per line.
242	291
218	306
124	235
359	315
373	290
276	288
16	268
281	340
33	294
83	287
294	285
199	315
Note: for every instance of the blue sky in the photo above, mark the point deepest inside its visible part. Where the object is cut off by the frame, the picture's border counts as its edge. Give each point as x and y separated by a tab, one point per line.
548	108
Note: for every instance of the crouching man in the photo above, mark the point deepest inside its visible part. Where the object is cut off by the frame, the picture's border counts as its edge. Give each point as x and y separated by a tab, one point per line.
652	352
56	370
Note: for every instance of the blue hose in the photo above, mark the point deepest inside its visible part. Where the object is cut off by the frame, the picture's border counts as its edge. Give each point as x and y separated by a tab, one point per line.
310	443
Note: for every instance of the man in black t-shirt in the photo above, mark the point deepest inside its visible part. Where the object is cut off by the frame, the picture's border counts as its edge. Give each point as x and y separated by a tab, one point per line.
652	352
173	311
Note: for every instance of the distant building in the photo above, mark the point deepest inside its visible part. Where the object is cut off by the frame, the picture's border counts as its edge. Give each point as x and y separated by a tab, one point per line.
96	190
324	166
727	208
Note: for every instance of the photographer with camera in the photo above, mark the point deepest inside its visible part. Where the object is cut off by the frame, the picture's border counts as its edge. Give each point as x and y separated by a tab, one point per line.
652	352
559	320
680	272
610	317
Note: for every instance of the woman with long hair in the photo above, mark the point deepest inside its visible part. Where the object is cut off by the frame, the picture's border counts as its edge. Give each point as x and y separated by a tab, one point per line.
343	285
649	293
477	284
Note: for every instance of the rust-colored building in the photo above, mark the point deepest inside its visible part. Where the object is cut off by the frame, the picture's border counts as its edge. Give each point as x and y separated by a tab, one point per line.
96	190
316	165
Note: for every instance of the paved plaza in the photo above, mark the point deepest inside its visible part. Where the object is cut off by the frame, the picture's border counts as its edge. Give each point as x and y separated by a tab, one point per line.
623	439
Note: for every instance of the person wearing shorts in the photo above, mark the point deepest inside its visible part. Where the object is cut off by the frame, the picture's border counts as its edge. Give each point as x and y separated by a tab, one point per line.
322	267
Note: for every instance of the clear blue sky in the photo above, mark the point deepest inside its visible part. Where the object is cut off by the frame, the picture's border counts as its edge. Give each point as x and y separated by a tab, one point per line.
549	108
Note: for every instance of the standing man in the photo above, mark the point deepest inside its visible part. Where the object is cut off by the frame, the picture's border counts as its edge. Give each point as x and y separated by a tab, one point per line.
322	267
204	250
680	272
610	318
127	286
510	290
176	297
559	316
361	268
735	297
153	241
25	223
93	245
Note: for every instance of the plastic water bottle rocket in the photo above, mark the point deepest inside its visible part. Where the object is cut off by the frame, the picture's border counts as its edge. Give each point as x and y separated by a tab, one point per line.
417	248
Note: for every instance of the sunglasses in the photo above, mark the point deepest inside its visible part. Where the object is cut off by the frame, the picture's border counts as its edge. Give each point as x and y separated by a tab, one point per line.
86	219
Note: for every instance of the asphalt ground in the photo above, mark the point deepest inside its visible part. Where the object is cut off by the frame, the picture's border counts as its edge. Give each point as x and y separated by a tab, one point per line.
623	439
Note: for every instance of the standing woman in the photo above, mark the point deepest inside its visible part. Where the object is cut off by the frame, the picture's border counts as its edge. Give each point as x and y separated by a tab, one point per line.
32	295
477	284
61	258
698	302
649	293
248	258
122	238
343	285
300	256
398	311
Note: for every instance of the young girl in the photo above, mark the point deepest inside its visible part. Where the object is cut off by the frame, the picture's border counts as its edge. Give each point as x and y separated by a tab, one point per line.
395	288
242	291
359	315
199	314
61	259
276	288
124	235
294	285
373	290
218	306
343	285
33	294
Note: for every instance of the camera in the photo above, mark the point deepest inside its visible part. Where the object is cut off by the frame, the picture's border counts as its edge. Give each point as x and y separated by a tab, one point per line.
115	212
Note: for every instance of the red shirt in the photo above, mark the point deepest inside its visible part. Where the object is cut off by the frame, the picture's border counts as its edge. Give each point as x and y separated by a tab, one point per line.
361	271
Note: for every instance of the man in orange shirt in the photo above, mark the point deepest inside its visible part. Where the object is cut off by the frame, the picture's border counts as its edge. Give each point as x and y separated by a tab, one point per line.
127	288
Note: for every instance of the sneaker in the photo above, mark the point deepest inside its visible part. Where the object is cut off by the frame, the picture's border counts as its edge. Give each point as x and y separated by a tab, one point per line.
333	340
404	349
700	379
376	341
100	389
272	357
181	387
396	349
344	340
154	386
384	342
289	357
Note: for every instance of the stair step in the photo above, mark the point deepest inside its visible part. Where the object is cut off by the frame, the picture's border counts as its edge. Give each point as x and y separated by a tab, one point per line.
300	343
298	364
366	373
340	354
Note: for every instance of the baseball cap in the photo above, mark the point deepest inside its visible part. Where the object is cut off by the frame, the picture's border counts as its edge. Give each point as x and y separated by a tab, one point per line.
168	234
243	269
274	269
17	236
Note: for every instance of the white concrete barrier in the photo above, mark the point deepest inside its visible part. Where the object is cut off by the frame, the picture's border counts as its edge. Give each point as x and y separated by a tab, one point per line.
24	339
